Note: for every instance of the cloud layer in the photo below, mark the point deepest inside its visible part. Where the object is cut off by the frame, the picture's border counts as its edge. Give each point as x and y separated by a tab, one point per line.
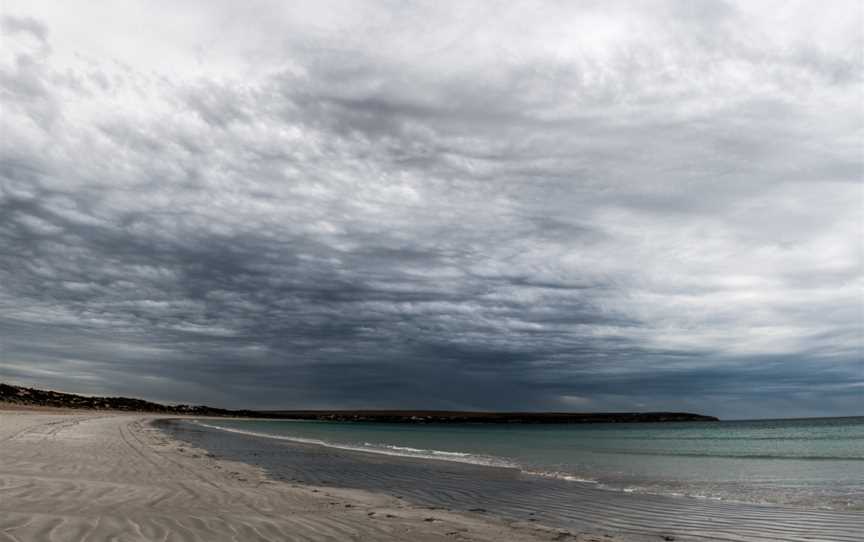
592	206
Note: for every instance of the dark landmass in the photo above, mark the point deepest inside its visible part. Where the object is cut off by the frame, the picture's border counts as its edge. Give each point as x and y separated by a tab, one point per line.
447	416
20	396
30	397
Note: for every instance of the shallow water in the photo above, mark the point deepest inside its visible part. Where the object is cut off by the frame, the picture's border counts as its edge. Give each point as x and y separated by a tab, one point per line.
813	463
510	492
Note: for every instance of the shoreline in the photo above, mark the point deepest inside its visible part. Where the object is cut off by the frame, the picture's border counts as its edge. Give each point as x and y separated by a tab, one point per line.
94	476
804	495
519	497
499	462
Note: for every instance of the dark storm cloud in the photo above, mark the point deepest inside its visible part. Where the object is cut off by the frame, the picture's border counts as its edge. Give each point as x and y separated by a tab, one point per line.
570	207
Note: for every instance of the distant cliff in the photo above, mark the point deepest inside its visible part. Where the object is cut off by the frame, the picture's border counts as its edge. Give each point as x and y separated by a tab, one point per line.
21	396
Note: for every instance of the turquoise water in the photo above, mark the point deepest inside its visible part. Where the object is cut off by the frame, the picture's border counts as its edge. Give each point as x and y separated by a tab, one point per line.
816	463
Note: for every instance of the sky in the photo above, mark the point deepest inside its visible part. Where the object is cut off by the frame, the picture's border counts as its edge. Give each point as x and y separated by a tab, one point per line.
573	206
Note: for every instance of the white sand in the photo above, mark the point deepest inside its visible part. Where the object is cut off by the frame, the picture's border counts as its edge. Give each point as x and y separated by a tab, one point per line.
99	477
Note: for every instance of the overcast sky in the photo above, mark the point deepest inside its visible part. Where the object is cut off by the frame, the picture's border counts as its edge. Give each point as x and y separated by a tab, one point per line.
492	205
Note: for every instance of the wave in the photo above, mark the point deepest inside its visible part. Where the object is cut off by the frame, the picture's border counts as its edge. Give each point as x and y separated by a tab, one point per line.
494	461
731	455
383	449
724	438
557	475
415	451
613	484
420	453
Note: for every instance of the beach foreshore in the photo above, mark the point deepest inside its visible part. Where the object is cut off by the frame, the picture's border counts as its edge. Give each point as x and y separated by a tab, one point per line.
93	476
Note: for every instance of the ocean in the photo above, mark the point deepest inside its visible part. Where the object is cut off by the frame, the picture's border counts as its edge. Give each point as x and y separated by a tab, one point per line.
804	462
763	479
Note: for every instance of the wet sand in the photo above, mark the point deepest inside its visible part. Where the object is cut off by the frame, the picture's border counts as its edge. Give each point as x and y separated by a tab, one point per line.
98	476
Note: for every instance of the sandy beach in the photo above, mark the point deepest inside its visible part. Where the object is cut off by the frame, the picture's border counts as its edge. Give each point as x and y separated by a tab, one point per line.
102	476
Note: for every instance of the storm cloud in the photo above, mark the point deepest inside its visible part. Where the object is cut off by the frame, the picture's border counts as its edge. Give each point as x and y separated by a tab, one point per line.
570	206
